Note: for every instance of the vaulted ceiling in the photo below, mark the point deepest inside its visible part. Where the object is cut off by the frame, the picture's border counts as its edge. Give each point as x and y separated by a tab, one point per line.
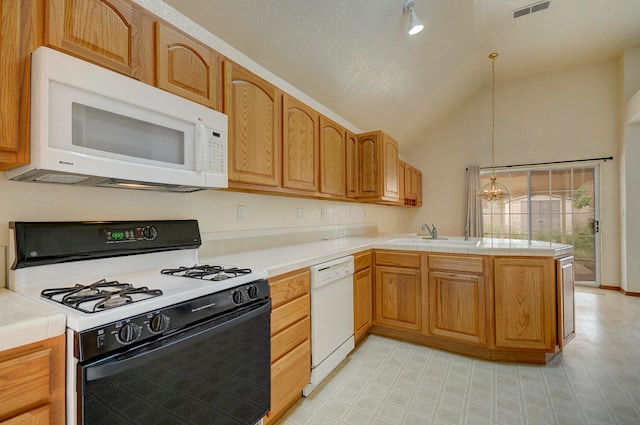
356	58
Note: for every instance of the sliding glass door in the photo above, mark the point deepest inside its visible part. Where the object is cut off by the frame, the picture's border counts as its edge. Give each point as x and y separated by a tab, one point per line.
554	205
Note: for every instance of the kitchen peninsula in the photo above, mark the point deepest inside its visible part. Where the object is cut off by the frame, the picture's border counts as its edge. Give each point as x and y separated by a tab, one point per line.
496	299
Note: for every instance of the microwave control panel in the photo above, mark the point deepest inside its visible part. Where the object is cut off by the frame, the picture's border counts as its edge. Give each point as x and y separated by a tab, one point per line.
216	156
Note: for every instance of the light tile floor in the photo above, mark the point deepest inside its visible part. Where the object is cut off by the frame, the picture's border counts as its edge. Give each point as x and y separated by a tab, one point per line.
595	380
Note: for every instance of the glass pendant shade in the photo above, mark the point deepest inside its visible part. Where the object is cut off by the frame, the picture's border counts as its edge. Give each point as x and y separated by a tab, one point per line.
493	191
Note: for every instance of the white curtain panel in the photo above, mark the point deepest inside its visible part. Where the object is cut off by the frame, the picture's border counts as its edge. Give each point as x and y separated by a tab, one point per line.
474	203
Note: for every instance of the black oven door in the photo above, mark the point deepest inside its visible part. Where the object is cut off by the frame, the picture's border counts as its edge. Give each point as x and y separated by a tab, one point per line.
216	372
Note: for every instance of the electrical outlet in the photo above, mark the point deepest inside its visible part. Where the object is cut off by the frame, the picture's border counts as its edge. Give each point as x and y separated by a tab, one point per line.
299	213
240	213
323	214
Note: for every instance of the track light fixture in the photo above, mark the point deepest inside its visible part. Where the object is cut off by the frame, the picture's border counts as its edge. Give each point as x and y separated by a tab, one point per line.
415	25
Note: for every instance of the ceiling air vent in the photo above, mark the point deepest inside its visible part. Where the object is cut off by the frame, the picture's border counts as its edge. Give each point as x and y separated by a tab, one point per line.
532	8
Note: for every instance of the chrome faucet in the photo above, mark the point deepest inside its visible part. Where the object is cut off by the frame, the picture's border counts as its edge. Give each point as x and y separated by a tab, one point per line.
466	233
433	231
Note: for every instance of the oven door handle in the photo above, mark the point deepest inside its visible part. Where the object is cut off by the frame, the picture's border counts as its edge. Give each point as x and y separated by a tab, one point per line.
166	346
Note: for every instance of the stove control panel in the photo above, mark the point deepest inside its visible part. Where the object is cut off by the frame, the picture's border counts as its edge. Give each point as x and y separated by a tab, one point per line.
146	327
147	233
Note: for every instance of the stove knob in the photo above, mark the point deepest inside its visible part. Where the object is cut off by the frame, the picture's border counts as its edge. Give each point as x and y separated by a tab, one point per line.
149	233
129	333
159	323
253	292
237	297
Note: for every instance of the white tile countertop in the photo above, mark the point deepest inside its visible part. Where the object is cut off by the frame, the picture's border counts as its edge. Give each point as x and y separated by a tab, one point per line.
285	259
23	321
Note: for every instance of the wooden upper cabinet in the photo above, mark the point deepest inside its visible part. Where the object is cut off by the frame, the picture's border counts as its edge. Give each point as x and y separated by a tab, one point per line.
21	31
9	83
391	177
410	185
300	140
417	183
101	31
351	164
378	167
368	158
253	107
409	190
332	158
187	67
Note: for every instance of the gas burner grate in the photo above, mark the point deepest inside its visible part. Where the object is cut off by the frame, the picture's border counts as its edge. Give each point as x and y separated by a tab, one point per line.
207	272
99	296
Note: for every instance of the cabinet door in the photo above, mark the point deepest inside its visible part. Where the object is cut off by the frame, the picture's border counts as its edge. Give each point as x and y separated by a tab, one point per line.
332	158
525	302
418	187
405	174
363	297
403	188
9	83
397	298
391	177
368	166
352	165
253	107
565	273
101	31
187	67
457	306
299	145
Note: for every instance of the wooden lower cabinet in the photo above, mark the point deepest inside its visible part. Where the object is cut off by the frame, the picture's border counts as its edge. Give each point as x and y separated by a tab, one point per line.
398	290
458	297
565	275
457	306
290	340
32	383
525	303
362	295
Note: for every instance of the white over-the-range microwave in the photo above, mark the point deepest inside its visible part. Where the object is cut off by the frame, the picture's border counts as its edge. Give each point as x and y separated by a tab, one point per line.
94	127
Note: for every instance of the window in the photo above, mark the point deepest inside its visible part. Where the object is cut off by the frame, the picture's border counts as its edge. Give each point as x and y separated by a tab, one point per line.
554	205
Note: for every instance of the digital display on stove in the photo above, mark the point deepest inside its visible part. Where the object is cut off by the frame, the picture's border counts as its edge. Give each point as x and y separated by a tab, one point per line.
120	235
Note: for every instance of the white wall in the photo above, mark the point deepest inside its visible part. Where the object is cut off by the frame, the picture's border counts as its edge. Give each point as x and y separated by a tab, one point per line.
566	115
630	173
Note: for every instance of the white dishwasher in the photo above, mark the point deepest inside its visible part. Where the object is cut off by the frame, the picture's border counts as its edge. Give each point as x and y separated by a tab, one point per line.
331	317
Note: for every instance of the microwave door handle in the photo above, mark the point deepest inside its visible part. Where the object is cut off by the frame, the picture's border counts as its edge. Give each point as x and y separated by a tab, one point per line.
201	147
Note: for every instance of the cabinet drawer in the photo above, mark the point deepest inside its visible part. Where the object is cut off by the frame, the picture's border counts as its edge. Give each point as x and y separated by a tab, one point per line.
457	263
289	376
24	382
362	261
289	313
290	338
289	286
39	416
398	259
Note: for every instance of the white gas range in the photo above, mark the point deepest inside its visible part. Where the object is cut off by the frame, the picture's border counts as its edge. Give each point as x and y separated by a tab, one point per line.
140	309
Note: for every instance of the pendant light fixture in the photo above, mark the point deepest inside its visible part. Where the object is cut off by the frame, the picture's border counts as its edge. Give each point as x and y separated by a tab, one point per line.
493	191
415	25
